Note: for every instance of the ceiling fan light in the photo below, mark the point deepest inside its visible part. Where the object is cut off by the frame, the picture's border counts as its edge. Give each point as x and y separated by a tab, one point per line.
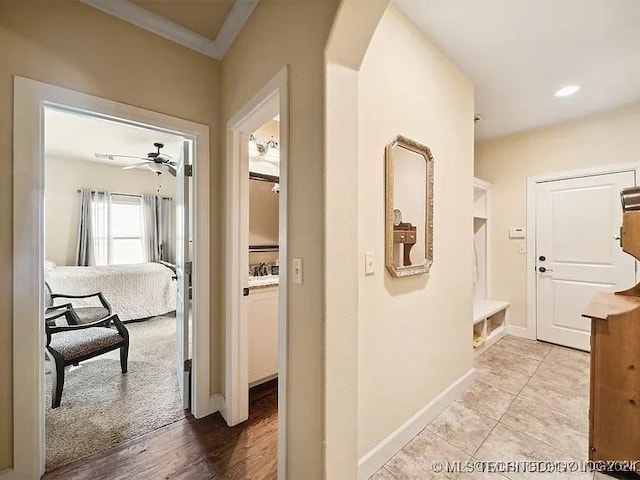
156	168
567	91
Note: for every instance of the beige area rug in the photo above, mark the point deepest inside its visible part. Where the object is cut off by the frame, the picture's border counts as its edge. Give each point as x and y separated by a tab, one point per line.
101	407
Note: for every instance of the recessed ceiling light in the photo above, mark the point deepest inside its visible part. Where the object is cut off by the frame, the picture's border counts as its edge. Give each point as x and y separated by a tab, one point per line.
567	91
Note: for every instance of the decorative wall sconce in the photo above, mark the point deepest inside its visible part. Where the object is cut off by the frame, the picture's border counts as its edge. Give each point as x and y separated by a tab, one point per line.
263	149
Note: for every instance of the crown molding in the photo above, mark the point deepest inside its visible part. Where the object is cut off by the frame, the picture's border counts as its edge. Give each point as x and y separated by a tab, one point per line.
143	18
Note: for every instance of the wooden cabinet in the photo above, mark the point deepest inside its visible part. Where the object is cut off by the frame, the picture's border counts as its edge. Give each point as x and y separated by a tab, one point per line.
263	334
614	404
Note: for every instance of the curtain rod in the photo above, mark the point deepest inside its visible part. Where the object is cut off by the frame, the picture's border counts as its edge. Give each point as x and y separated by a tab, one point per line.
126	194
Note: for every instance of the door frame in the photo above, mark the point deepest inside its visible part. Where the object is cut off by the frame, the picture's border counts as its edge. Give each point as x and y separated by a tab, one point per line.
30	99
532	181
271	99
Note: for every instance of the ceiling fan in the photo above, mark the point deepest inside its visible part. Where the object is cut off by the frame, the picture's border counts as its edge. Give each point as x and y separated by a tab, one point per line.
157	161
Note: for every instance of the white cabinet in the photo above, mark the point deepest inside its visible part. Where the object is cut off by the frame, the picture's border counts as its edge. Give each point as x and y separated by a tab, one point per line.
263	334
489	315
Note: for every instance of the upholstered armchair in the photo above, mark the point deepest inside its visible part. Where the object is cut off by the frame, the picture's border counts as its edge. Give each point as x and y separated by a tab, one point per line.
82	314
70	342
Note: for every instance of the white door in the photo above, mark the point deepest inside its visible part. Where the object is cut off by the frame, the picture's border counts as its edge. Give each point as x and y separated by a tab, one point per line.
578	252
183	273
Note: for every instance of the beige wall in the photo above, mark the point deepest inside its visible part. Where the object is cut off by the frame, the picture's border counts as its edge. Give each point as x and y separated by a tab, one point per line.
268	130
414	333
75	46
353	28
294	34
62	180
604	139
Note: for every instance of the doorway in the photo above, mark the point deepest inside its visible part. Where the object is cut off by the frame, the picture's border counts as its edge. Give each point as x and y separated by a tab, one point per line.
31	100
116	213
244	139
577	251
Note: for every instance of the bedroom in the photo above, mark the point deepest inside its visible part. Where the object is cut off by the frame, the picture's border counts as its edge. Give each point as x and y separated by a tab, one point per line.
111	226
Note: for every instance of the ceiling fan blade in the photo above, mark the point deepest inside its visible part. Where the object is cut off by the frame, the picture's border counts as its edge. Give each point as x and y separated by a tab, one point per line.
110	155
136	165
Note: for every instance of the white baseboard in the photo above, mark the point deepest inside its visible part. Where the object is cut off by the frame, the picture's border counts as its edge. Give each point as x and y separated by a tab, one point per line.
517	331
375	458
264	378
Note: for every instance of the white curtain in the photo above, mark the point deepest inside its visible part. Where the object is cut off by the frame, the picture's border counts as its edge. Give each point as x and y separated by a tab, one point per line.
157	228
100	219
93	228
167	230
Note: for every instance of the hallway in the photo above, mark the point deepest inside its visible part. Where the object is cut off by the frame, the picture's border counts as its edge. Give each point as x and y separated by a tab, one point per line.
529	402
192	449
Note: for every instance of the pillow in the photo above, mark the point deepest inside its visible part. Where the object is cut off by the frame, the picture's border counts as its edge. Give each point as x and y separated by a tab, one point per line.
49	265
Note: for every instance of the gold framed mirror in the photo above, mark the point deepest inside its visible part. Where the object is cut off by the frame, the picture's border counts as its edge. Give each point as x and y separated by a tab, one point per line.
409	207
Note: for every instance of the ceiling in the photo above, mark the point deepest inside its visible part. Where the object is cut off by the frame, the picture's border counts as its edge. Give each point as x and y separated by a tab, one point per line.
203	17
519	52
206	26
79	137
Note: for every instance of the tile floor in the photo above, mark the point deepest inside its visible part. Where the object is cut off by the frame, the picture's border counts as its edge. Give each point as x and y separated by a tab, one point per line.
529	402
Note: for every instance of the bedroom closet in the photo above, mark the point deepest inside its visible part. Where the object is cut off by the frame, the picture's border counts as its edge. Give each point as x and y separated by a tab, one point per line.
118	250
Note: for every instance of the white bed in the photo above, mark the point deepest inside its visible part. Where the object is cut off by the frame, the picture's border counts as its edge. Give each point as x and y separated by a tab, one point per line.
134	291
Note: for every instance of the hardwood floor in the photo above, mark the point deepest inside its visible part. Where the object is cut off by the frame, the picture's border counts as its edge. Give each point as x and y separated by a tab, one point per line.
193	449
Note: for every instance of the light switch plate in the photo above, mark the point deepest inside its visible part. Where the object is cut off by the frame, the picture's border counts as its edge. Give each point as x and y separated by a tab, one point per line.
368	263
296	270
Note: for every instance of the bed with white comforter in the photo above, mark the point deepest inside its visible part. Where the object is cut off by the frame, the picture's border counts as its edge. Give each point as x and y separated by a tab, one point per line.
134	291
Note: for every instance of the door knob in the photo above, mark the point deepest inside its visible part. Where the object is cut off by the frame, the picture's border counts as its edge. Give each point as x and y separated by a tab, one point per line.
542	258
543	269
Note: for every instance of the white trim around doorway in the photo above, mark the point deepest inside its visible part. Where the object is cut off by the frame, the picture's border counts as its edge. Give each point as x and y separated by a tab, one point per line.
531	329
30	99
271	100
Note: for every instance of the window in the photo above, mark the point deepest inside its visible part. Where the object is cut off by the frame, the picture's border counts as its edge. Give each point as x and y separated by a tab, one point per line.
126	230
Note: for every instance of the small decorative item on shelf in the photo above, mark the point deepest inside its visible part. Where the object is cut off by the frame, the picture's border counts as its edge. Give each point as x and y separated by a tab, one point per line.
478	340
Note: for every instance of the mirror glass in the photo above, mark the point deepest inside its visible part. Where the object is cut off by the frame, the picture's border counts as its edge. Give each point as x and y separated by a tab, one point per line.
409	207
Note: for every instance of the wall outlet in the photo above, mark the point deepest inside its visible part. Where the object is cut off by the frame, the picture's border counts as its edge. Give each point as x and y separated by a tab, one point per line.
296	270
368	263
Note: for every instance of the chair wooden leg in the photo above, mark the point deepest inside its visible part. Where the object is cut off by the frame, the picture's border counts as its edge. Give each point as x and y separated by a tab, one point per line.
57	383
124	357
